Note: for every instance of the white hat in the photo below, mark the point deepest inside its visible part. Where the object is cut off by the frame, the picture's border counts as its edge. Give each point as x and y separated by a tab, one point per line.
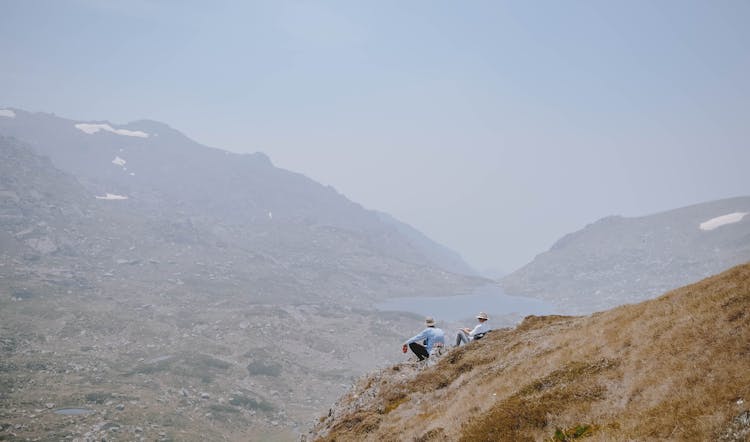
482	315
429	321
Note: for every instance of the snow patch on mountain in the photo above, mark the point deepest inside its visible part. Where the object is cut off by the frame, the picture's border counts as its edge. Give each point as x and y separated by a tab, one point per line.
92	128
7	113
111	196
119	161
719	221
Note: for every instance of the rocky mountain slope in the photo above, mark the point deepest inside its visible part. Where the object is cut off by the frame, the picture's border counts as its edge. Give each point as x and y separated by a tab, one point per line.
618	260
442	256
177	292
673	368
167	174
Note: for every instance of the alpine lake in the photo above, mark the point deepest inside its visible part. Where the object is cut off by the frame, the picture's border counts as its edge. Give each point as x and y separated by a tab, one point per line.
490	299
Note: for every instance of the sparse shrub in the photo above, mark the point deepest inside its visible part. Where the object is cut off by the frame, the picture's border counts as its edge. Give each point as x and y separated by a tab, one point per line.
577	432
249	403
219	408
7	367
393	403
209	362
152	368
358	423
8	344
22	293
98	397
200	366
264	368
36	366
436	434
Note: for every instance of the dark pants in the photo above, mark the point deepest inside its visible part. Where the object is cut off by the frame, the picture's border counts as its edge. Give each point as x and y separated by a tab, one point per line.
419	350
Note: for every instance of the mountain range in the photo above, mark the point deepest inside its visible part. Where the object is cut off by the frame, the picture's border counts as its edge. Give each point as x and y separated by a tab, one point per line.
619	260
175	291
163	173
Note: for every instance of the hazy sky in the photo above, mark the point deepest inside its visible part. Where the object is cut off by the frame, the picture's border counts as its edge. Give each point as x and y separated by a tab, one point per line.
494	127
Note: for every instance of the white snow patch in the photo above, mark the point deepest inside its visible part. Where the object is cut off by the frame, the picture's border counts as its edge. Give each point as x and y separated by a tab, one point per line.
719	221
112	196
132	173
7	113
91	128
119	161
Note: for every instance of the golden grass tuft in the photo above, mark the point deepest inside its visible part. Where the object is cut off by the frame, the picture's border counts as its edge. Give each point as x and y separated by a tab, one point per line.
434	435
356	423
394	401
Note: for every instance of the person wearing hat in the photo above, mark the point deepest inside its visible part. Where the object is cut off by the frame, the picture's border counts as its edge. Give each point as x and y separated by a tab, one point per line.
465	335
423	343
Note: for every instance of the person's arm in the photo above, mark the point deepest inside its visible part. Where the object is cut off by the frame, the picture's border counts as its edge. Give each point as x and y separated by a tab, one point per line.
420	337
480	328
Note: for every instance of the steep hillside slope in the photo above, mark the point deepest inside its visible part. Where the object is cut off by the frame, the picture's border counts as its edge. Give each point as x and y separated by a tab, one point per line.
620	260
42	210
444	257
673	368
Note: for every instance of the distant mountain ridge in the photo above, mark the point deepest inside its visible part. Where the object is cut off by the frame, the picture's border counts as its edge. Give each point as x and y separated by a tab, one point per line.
163	170
620	260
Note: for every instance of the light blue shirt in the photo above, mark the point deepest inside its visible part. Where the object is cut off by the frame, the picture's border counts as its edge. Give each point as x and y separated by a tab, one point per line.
433	335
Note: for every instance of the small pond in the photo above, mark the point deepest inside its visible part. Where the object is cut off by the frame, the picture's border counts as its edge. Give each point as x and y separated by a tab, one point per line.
74	411
490	299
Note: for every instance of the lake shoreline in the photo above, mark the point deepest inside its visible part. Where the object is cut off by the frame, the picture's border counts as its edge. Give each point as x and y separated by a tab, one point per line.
489	298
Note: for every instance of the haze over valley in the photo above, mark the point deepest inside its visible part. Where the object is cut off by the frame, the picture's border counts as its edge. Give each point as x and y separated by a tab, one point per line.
221	222
178	291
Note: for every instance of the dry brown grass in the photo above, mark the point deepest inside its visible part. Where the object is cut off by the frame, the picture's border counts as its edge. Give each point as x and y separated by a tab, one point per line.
517	417
673	368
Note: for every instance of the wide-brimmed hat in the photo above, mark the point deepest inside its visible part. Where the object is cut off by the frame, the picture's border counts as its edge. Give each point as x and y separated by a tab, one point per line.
482	315
429	321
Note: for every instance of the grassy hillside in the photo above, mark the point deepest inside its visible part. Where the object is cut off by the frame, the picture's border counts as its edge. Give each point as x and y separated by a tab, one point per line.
673	368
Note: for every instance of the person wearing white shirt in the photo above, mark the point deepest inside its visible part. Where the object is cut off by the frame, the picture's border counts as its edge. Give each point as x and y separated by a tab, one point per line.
465	335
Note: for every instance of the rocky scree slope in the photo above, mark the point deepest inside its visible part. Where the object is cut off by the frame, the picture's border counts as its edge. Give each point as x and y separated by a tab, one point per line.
619	260
672	368
42	210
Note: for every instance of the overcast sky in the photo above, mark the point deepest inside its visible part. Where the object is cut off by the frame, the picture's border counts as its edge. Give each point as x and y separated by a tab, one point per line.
493	127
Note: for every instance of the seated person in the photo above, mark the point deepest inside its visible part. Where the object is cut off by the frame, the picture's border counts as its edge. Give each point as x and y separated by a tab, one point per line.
432	337
465	335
